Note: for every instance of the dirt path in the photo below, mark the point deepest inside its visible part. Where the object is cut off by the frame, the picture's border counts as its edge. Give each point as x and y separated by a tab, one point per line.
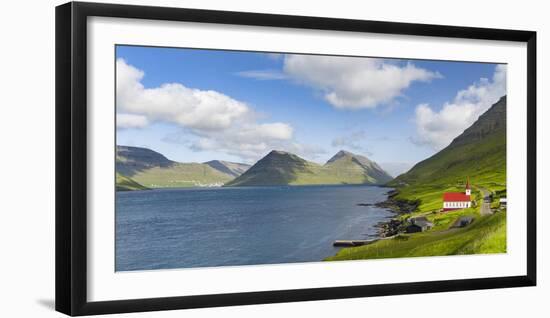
486	203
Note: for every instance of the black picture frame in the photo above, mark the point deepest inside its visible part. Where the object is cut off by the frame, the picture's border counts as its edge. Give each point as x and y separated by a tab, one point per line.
71	157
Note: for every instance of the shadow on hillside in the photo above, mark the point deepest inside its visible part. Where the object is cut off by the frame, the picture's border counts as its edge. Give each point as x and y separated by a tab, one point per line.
130	169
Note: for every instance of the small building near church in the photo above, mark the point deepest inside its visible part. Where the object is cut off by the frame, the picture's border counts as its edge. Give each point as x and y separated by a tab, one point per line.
419	224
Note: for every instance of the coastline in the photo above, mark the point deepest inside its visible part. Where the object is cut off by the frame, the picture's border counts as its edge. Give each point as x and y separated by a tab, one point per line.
392	227
399	207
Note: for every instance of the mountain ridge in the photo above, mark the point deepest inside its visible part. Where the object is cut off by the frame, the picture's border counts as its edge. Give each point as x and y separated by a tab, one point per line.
151	169
479	152
284	168
372	168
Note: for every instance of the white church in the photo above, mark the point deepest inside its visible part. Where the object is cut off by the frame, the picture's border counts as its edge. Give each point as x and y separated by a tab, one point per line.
457	200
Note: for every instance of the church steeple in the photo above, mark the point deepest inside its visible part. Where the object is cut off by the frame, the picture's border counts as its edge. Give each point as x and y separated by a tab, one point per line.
468	191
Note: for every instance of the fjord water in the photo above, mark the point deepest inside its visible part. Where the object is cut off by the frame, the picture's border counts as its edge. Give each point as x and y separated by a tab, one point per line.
202	227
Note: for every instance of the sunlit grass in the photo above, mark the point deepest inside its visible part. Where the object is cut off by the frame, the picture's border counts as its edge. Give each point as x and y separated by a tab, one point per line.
485	235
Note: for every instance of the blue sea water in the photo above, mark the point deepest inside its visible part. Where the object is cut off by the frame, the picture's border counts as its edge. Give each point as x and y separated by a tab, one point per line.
203	227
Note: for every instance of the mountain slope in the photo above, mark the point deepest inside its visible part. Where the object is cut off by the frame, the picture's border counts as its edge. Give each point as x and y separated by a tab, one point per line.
126	184
479	152
277	168
230	168
131	160
283	168
349	165
153	170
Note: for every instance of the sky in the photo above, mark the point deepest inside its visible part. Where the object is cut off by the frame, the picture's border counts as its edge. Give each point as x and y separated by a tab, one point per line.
196	105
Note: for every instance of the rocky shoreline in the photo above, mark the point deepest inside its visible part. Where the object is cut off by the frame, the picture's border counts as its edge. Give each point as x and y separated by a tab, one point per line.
399	206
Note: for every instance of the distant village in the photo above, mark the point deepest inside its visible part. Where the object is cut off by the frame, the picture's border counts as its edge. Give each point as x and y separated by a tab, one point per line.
452	201
455	201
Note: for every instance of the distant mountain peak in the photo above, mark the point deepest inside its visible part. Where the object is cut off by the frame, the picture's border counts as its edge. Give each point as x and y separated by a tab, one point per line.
340	154
131	160
283	168
153	170
278	152
346	154
345	159
280	155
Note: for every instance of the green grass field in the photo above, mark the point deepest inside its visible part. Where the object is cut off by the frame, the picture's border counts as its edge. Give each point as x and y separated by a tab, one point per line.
486	235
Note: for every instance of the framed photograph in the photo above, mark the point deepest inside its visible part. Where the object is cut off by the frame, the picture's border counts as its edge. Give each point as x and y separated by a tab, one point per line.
209	158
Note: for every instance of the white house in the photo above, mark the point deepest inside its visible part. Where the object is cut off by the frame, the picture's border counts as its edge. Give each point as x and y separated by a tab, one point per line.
457	200
502	202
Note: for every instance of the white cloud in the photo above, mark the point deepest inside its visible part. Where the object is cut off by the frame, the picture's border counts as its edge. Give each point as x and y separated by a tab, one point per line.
438	128
210	121
355	82
124	121
176	103
250	142
271	131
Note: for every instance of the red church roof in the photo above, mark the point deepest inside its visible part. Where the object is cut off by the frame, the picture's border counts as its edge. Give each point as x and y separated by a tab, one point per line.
455	197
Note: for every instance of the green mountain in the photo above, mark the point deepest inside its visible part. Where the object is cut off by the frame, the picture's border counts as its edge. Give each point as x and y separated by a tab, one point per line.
231	168
277	168
153	170
356	168
132	160
126	184
283	168
479	152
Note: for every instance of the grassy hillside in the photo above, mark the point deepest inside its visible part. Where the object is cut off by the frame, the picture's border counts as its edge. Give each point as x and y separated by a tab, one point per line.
126	184
349	166
478	153
180	175
282	168
153	170
483	161
486	235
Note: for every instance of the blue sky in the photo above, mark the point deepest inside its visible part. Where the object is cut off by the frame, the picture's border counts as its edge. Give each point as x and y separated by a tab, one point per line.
197	105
